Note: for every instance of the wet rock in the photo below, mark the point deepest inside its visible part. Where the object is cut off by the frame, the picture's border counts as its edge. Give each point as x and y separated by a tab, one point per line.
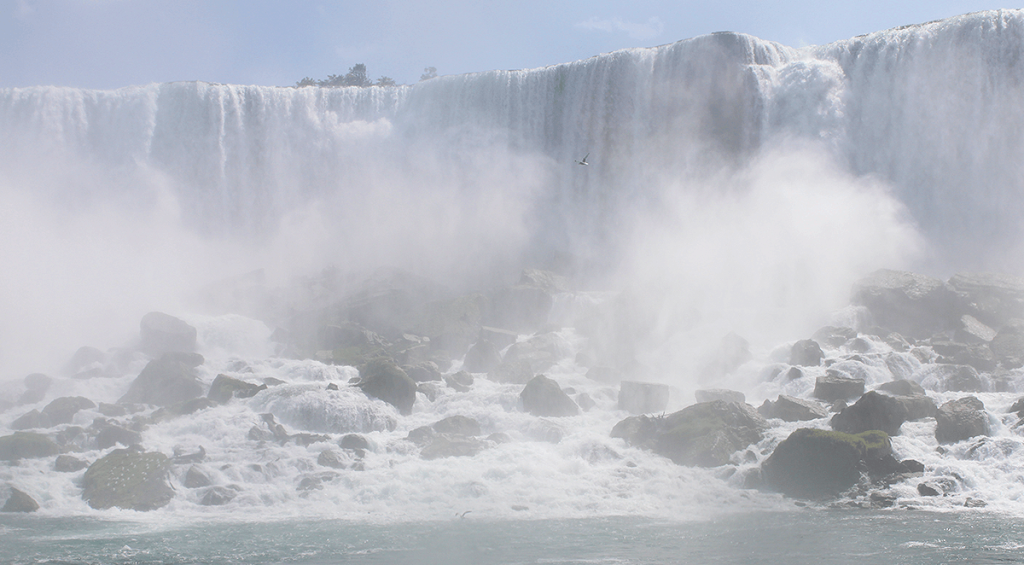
26	445
713	394
540	352
961	419
902	387
461	381
443	445
128	479
111	435
112	410
925	489
834	336
501	338
36	386
423	371
791	409
1008	344
525	306
330	458
908	303
816	464
703	435
385	380
62	410
18	501
960	378
543	397
165	381
806	353
33	419
68	464
584	401
84	359
452	324
972	331
993	298
482	357
354	441
512	371
873	411
161	333
643	398
457	425
218	496
833	387
224	388
196	478
974	503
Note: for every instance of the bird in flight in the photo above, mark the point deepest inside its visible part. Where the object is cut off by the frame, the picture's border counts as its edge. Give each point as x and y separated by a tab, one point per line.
584	161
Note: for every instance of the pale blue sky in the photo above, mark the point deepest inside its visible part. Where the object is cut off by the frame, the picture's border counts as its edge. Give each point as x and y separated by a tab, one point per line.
114	43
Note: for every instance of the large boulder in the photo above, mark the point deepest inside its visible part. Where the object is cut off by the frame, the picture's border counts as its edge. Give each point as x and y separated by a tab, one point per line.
702	435
873	411
482	357
383	379
540	352
806	353
512	371
643	398
961	419
911	304
128	479
833	387
224	388
791	409
543	397
165	381
816	464
162	333
902	387
18	501
62	410
26	445
36	386
33	419
993	298
1008	344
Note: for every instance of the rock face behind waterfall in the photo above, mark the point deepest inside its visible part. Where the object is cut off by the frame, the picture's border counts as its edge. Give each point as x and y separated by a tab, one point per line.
702	435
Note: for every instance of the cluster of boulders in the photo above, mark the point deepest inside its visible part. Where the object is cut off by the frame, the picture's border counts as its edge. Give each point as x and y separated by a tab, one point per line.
405	334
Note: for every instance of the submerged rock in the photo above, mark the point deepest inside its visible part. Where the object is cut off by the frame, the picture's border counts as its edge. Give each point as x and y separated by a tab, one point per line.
873	411
128	479
702	435
543	397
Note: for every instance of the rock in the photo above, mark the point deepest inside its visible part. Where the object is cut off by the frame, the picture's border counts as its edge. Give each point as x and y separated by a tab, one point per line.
84	359
911	304
224	388
961	419
196	478
1018	406
925	489
161	333
442	445
973	331
31	420
994	299
19	502
543	397
978	356
499	337
816	464
453	324
128	479
704	435
164	381
330	458
68	464
902	387
643	398
512	371
461	381
584	401
791	409
732	352
112	435
36	386
961	378
62	410
354	441
834	336
833	387
525	306
482	357
457	425
112	410
218	496
26	445
383	379
423	371
713	394
541	351
806	353
873	411
974	503
1008	344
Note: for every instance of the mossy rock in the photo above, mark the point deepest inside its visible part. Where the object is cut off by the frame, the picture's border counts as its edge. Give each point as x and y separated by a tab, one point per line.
816	464
128	479
26	445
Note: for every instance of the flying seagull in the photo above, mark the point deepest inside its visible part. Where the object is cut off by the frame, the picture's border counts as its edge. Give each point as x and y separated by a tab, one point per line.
584	161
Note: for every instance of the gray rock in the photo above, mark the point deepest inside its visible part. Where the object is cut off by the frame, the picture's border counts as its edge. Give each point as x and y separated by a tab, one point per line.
383	379
643	398
218	496
161	333
62	410
33	419
85	358
36	386
819	464
713	394
499	337
806	353
423	371
224	388
68	464
128	479
833	387
902	387
111	435
354	441
873	411
26	445
461	381
994	299
164	381
791	409
834	336
961	419
457	425
196	478
1008	344
482	357
512	371
911	304
525	306
543	397
19	502
973	331
330	458
443	445
541	351
703	435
